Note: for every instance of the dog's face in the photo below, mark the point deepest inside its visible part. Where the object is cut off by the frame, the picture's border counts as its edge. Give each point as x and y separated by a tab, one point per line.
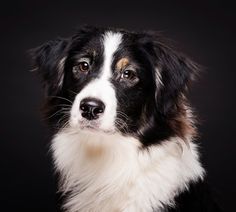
115	81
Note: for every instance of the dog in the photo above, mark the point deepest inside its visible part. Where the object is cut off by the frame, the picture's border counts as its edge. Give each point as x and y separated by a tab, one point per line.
124	131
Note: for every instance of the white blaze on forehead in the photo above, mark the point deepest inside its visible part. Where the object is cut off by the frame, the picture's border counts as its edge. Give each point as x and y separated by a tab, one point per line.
111	42
101	87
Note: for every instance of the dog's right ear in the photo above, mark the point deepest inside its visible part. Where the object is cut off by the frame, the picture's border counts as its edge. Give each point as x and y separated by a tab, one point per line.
48	61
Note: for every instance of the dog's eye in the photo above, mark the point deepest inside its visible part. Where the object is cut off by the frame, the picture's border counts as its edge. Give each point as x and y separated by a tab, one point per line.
128	74
81	67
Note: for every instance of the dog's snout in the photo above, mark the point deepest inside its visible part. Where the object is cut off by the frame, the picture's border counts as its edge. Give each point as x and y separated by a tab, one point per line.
91	108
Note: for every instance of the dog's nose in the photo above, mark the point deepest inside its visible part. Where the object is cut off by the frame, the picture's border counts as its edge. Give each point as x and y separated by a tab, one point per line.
91	108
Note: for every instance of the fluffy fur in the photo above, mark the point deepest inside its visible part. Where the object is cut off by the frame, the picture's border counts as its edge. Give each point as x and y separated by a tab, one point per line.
138	154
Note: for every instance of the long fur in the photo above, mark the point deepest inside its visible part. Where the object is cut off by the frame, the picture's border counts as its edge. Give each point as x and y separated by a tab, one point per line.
139	154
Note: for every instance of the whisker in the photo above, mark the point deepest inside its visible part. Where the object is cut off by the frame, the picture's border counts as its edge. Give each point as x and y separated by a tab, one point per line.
59	97
62	110
121	124
72	92
62	105
122	115
65	125
62	119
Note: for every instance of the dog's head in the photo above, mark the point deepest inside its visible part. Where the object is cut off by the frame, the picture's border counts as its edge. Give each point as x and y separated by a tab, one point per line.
116	81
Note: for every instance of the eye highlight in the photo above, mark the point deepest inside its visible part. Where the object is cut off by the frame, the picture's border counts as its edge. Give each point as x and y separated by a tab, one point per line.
128	74
82	66
128	77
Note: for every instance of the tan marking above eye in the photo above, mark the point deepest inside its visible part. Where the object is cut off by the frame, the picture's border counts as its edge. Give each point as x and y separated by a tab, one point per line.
122	63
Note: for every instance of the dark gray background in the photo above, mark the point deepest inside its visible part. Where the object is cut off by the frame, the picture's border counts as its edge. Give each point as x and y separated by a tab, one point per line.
205	31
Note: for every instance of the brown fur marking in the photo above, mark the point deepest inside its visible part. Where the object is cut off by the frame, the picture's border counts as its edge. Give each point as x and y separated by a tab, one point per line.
122	63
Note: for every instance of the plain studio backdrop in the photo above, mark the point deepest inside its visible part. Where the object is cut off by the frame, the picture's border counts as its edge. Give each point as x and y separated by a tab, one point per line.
204	31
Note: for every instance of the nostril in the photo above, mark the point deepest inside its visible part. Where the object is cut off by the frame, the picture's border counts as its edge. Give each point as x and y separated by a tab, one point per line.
84	107
98	110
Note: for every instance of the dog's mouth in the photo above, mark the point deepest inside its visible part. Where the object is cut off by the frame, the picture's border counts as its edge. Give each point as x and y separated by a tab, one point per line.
94	126
90	125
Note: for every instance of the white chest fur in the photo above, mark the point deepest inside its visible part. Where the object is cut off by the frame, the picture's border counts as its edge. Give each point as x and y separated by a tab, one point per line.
111	173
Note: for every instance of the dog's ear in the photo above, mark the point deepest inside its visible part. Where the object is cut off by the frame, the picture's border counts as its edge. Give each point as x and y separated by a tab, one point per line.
173	73
48	61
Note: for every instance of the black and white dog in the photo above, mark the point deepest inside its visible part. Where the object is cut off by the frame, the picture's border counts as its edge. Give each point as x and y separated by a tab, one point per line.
124	130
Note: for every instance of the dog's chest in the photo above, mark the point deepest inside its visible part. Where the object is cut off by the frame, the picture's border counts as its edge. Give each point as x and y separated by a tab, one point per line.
110	175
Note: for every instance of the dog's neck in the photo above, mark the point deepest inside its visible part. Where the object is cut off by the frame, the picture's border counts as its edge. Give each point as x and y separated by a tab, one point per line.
114	173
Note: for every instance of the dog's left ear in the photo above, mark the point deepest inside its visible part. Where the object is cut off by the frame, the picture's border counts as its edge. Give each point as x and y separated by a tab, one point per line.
173	73
48	61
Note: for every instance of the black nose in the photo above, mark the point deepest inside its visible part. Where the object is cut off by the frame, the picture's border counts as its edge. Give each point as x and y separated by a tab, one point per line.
91	108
